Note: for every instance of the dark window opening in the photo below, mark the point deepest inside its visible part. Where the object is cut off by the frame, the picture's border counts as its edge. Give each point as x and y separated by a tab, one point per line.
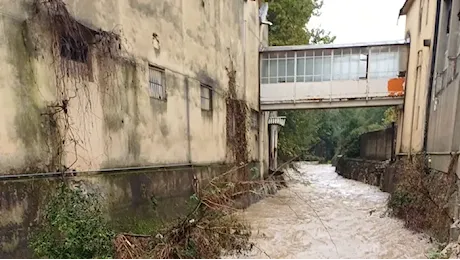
206	97
74	49
449	12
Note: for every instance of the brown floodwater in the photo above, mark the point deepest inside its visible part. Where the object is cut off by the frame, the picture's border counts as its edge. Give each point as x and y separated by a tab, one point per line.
322	215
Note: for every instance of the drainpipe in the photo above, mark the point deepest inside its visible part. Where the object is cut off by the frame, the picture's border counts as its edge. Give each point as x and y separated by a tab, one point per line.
262	123
187	103
413	111
432	72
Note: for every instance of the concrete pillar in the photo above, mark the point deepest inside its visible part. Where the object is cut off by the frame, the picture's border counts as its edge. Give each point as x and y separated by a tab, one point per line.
274	129
263	143
399	130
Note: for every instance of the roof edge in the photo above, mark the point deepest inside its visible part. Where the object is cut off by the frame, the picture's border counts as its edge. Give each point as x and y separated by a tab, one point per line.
332	46
405	8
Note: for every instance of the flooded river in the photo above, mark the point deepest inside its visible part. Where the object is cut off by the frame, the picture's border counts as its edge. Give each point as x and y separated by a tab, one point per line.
322	215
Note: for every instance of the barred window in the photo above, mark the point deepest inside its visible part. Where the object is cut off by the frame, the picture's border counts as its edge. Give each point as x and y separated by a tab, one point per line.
206	97
157	86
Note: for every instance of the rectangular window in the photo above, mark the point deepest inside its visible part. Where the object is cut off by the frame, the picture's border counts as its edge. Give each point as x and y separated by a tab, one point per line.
206	97
254	119
420	15
363	59
449	13
157	86
327	66
76	55
281	70
290	70
427	12
73	48
300	69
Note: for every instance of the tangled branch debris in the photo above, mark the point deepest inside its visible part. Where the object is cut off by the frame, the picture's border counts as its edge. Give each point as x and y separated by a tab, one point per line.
421	197
209	230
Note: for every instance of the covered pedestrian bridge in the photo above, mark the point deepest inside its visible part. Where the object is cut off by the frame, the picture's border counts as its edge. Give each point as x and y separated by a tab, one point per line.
333	75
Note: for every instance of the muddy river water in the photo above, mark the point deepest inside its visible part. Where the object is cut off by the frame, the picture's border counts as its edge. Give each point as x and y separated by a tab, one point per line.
322	215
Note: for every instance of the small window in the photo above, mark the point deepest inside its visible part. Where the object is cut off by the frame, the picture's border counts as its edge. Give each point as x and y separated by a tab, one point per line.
206	97
157	86
448	4
254	119
74	49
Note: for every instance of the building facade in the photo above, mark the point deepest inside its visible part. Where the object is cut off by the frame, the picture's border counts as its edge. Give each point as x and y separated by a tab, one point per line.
429	120
443	137
156	95
89	87
420	27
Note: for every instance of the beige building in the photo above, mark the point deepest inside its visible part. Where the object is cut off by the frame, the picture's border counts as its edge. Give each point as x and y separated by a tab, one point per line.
430	117
420	26
166	87
440	120
124	83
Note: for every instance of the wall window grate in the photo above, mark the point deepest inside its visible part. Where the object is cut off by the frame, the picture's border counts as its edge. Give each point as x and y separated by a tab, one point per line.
157	80
206	97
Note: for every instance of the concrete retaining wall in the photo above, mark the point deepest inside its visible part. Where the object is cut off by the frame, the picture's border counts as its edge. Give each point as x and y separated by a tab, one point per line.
124	196
375	173
378	145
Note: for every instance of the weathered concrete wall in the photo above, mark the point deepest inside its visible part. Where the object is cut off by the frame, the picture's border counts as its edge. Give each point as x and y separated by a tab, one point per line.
377	145
125	195
98	115
112	119
367	171
444	113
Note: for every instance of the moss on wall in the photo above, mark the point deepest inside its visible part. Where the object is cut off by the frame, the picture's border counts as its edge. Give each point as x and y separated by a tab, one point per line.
129	198
34	130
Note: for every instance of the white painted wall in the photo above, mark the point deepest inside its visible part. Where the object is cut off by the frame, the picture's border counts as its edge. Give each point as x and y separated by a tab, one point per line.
302	91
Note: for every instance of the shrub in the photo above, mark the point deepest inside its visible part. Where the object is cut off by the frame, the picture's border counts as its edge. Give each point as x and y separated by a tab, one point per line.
72	226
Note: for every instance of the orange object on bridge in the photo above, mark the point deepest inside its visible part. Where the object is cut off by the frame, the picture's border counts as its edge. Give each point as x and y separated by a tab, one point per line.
396	86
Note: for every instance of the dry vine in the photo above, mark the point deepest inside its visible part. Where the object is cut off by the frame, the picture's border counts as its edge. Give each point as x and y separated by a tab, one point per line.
208	230
236	119
71	45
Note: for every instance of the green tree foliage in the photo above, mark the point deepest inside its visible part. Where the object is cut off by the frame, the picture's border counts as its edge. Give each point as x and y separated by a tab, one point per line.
290	17
72	226
338	130
299	133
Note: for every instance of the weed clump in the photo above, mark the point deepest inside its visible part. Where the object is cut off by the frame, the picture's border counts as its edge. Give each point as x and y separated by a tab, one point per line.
72	226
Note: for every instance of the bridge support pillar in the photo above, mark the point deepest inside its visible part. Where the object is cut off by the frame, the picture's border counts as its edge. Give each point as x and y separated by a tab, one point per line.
274	124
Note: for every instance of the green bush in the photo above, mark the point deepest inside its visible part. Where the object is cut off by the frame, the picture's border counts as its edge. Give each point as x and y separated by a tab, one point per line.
399	199
72	226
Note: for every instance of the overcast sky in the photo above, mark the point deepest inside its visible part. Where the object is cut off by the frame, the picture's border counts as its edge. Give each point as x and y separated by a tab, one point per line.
355	21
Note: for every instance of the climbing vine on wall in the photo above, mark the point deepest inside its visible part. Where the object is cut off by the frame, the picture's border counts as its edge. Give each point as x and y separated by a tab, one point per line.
237	118
71	45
